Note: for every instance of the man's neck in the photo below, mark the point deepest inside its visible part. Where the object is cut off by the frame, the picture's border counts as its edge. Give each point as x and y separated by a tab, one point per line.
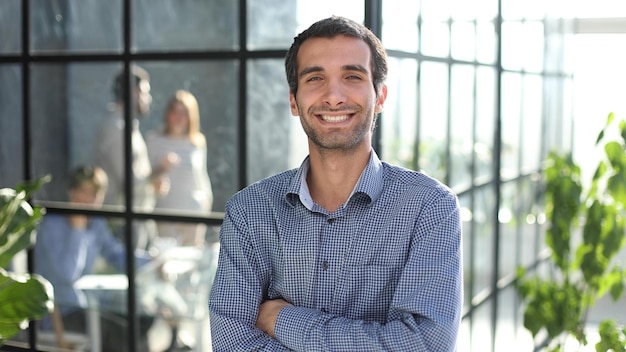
333	175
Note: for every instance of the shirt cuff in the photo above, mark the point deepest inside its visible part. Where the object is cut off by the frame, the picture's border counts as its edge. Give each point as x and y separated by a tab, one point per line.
293	325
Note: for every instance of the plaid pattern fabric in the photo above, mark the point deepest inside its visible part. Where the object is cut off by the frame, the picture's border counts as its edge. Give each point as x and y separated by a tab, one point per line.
381	273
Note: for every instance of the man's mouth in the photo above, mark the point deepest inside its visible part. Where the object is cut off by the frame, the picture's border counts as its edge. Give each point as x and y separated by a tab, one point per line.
339	118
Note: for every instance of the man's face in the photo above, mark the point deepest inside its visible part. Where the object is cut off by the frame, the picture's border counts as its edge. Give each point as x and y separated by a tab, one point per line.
143	98
336	100
86	194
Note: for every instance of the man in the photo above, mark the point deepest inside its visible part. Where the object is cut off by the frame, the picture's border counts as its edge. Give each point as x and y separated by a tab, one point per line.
110	153
346	253
67	248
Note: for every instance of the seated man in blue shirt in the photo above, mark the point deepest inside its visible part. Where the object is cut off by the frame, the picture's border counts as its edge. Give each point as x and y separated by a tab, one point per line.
345	253
67	247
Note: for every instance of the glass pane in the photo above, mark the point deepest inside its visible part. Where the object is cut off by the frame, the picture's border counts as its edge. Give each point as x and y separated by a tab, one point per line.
486	42
510	329
600	8
436	10
86	263
10	27
532	115
398	120
509	249
511	121
512	51
400	30
483	239
79	123
312	11
68	104
463	41
268	109
522	46
469	10
461	10
274	25
533	46
485	120
176	290
433	119
214	85
163	25
76	25
435	39
513	10
11	126
461	125
482	328
530	241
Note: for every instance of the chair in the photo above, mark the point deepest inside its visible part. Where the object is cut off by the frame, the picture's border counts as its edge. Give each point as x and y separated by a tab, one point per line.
64	340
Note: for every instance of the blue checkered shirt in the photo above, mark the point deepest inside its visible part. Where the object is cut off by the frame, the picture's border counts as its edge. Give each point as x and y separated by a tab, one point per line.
381	273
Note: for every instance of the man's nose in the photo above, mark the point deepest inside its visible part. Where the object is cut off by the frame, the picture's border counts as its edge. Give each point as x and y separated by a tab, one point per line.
335	93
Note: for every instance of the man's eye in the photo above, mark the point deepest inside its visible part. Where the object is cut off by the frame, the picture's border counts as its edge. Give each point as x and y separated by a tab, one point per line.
314	78
354	77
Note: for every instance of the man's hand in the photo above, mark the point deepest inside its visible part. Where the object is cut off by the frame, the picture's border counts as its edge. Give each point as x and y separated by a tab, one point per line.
268	314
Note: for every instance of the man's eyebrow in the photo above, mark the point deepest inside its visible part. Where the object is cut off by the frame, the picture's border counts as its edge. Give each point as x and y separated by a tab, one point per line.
310	69
358	68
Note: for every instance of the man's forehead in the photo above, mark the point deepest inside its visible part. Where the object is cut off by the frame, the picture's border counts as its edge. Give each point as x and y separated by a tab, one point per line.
347	53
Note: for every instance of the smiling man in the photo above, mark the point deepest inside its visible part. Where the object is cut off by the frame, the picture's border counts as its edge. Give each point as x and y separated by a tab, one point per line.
345	253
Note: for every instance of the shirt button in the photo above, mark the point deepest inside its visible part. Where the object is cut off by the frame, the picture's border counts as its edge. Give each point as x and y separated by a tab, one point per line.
330	221
325	265
324	310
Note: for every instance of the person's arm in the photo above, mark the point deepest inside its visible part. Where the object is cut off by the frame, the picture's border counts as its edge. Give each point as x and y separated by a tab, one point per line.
60	250
205	180
237	291
109	150
425	310
113	251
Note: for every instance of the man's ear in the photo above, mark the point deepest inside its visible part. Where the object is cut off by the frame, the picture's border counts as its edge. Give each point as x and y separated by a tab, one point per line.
293	105
380	100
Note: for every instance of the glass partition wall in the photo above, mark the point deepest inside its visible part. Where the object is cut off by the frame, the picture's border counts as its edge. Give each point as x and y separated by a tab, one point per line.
479	92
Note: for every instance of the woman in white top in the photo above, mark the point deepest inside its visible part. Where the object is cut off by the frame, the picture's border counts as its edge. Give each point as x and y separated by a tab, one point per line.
178	154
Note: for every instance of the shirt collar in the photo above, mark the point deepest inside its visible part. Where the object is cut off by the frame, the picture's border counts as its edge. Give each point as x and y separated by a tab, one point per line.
369	186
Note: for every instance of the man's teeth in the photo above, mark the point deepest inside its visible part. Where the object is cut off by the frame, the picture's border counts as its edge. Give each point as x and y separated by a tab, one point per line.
334	118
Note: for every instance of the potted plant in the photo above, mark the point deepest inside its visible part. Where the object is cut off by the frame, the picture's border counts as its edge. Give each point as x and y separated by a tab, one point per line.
586	230
23	296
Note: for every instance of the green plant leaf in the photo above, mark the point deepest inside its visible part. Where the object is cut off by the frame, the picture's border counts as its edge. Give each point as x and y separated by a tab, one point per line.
612	337
22	297
559	306
18	223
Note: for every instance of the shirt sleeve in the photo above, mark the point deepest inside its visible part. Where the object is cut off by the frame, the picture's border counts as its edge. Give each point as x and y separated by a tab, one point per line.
112	250
426	305
61	250
236	293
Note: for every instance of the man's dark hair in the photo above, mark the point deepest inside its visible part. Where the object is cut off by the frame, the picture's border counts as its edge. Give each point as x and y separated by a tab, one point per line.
137	75
330	28
88	173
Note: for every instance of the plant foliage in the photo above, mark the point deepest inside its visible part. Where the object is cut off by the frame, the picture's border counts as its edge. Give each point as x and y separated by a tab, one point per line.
586	229
23	297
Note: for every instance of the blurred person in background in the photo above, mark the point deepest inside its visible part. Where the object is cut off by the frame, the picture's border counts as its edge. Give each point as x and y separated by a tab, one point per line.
178	156
109	151
67	248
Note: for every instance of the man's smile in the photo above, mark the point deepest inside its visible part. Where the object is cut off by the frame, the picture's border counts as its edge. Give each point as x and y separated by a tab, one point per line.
333	118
